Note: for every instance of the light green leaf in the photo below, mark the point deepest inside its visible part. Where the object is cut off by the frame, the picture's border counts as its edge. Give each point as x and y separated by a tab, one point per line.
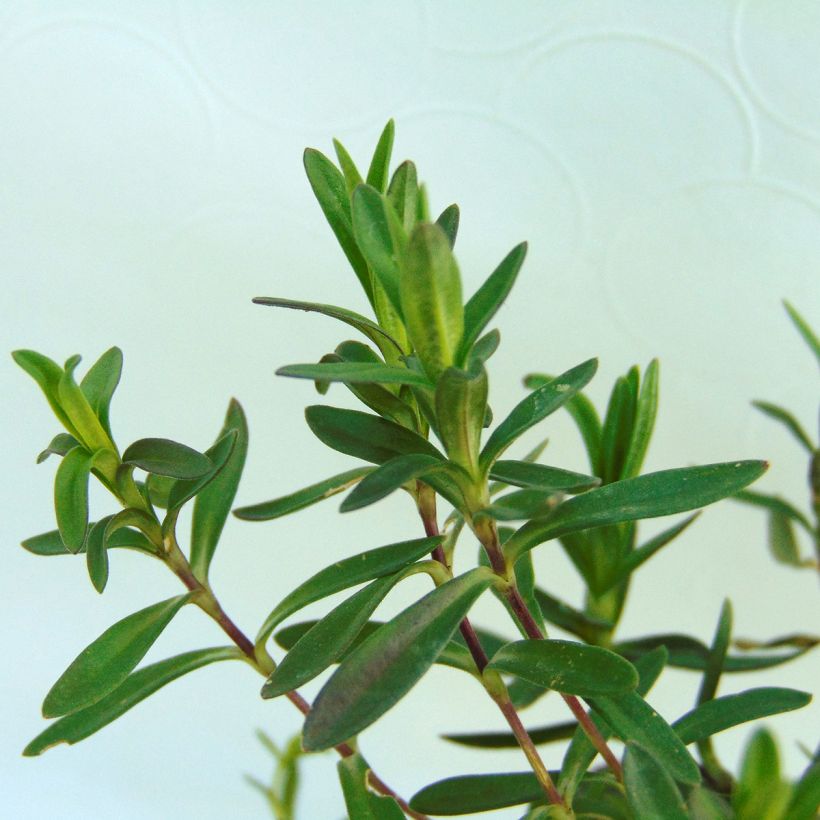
360	802
347	573
165	457
99	384
60	445
213	504
389	663
403	194
645	412
461	401
486	301
431	299
130	517
647	496
540	476
136	687
804	330
278	507
482	350
566	666
650	790
448	221
379	170
536	407
761	793
71	497
104	664
354	373
782	540
806	795
76	406
477	792
97	555
47	373
349	169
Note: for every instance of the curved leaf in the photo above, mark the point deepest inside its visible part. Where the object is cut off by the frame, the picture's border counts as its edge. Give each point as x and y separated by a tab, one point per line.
60	445
379	171
136	687
540	476
776	505
100	382
185	489
650	790
50	543
389	663
71	497
782	415
104	664
76	406
47	373
448	221
165	457
804	330
354	373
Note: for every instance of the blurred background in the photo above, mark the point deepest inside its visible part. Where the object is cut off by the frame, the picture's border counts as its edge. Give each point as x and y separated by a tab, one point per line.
663	160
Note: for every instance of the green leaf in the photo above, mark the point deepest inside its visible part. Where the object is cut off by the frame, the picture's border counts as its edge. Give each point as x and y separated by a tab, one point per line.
650	791
776	505
97	555
60	445
387	665
617	429
482	350
165	457
99	384
551	479
47	373
130	517
185	489
806	795
461	400
486	301
50	543
647	496
431	299
213	504
76	406
379	170
368	327
328	640
104	664
364	435
159	489
136	687
360	802
804	330
761	793
787	420
645	412
507	740
704	804
71	497
723	713
717	654
568	618
566	666
521	505
354	373
391	475
477	792
536	407
783	541
349	169
287	504
448	221
403	194
632	718
330	189
347	573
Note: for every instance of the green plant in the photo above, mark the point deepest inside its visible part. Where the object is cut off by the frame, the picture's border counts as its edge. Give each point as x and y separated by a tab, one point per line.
425	371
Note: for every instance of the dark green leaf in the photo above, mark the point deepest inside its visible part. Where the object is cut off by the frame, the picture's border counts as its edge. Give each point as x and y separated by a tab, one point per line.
330	189
782	540
461	399
403	194
787	420
431	299
647	496
390	476
349	169
717	655
804	330
165	457
185	489
477	792
329	639
99	384
159	489
354	373
47	373
486	301
521	505
389	663
60	445
136	687
566	666
360	802
617	430
722	713
507	740
71	497
302	498
644	423
568	618
347	573
650	790
364	435
552	479
534	408
379	170
104	664
50	543
97	555
448	221
213	503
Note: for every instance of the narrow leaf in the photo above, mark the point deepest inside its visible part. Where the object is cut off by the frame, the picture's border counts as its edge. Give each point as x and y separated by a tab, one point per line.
47	373
76	406
71	497
461	400
349	169
104	664
644	423
97	555
386	666
99	384
507	740
477	792
403	194
379	171
50	543
136	687
165	457
717	654
552	479
354	373
787	420
568	618
536	407
776	505
806	795
448	221
760	791
650	791
782	540
347	573
60	445
804	330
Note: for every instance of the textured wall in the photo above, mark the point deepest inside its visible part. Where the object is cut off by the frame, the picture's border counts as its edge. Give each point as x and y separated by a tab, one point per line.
662	158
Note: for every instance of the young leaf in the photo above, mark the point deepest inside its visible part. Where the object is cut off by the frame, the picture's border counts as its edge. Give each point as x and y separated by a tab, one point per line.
76	406
331	192
360	802
104	664
644	422
477	792
647	496
349	169
551	479
47	374
486	301
347	573
99	384
278	507
71	497
760	791
165	457
536	407
566	666
136	687
50	543
632	718
403	194
431	299
213	504
719	714
379	170
717	654
364	435
328	640
354	373
461	400
618	427
389	663
448	222
481	351
60	445
97	555
804	330
650	791
390	476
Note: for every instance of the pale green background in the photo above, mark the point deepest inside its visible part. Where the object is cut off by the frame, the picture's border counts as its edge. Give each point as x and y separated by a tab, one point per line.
662	158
